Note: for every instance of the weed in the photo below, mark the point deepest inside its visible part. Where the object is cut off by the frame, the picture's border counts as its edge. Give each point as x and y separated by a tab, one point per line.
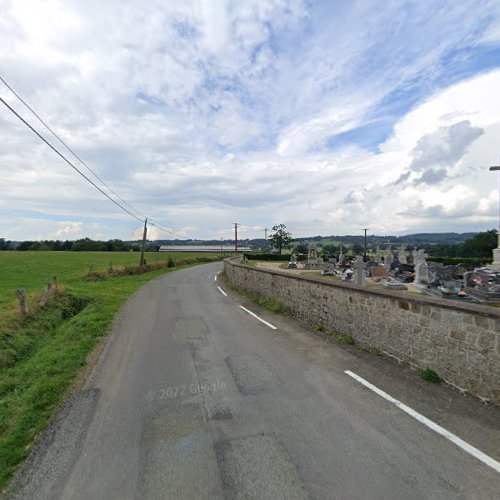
429	375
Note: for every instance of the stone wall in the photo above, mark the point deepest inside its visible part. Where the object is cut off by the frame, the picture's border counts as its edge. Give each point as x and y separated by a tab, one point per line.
460	341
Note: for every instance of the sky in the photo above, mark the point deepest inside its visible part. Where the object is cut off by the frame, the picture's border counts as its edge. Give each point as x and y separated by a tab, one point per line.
327	116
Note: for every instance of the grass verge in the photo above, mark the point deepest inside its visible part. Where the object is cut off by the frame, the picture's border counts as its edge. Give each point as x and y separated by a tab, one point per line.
42	355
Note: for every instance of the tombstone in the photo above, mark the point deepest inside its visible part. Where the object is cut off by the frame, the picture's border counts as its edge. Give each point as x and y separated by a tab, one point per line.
379	272
359	275
402	255
421	268
392	284
483	284
341	256
313	260
389	257
328	269
378	256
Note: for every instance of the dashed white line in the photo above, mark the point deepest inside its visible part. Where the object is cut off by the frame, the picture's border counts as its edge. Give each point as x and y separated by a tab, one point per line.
222	291
491	462
259	318
215	278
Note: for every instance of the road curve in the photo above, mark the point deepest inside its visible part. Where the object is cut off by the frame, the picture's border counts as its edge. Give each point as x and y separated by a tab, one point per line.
195	398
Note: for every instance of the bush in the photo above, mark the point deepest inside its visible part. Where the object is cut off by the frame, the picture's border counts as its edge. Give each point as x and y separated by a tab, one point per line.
170	262
469	262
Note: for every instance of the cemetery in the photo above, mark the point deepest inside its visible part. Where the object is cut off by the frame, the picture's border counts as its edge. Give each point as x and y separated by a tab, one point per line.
404	271
422	313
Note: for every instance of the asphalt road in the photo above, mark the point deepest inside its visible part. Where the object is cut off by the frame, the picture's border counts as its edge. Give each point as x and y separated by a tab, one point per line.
193	397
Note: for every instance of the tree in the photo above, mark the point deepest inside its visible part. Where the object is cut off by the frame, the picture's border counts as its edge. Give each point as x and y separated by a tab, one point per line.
301	248
281	237
481	245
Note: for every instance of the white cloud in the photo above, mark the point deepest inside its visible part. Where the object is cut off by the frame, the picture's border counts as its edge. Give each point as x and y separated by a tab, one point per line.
201	113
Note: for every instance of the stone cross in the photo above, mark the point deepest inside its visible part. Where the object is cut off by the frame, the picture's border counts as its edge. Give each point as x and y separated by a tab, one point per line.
378	257
421	267
389	258
402	255
359	275
341	256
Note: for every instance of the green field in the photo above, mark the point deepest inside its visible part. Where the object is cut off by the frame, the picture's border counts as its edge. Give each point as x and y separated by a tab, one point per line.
41	355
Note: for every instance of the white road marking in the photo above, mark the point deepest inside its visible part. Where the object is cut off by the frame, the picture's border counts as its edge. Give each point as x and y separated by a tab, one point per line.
491	462
215	278
222	291
260	319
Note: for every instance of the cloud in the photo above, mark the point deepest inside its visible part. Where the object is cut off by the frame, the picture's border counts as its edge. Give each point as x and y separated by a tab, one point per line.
201	113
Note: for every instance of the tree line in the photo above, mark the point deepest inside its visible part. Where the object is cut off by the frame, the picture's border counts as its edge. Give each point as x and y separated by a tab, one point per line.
81	245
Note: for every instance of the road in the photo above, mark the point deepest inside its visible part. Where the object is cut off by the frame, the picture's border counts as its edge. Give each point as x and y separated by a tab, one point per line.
193	397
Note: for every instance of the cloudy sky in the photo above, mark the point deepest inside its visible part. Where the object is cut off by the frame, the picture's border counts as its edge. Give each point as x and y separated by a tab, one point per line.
327	116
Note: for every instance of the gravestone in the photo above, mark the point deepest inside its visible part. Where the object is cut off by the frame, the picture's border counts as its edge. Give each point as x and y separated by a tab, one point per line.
379	272
389	257
313	260
341	256
359	275
483	284
328	269
421	268
378	256
402	255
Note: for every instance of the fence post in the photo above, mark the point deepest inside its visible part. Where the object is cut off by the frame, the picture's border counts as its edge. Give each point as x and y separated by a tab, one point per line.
23	305
46	296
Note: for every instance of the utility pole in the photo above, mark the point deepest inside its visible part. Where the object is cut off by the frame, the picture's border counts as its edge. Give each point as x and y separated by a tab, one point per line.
496	251
235	224
265	233
144	234
364	258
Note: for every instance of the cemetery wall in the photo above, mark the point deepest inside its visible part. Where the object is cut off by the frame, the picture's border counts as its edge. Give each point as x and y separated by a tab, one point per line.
460	341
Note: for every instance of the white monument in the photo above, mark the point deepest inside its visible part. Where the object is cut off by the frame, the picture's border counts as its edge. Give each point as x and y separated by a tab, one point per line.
378	257
389	258
421	268
402	255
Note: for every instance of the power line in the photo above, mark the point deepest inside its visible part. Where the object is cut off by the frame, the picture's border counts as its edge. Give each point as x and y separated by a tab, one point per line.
66	160
67	147
143	217
155	224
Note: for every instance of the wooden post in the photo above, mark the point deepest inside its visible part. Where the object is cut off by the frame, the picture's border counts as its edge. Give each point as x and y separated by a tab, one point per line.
54	279
46	296
144	235
23	305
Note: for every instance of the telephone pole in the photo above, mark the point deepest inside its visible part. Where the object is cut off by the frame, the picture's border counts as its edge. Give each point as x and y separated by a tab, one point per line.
235	224
364	259
144	234
265	233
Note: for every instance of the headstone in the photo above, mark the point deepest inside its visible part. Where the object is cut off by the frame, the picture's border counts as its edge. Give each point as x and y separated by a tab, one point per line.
421	268
341	256
402	255
359	276
388	257
378	256
392	284
379	272
483	284
328	269
313	260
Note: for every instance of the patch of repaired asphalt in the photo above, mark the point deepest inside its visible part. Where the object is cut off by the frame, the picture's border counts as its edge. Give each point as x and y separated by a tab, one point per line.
251	374
258	467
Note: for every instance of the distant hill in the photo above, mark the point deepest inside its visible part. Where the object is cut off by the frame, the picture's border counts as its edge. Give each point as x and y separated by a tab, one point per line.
409	239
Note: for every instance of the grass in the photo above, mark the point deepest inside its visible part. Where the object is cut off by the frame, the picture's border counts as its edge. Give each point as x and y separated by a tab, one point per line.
42	355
